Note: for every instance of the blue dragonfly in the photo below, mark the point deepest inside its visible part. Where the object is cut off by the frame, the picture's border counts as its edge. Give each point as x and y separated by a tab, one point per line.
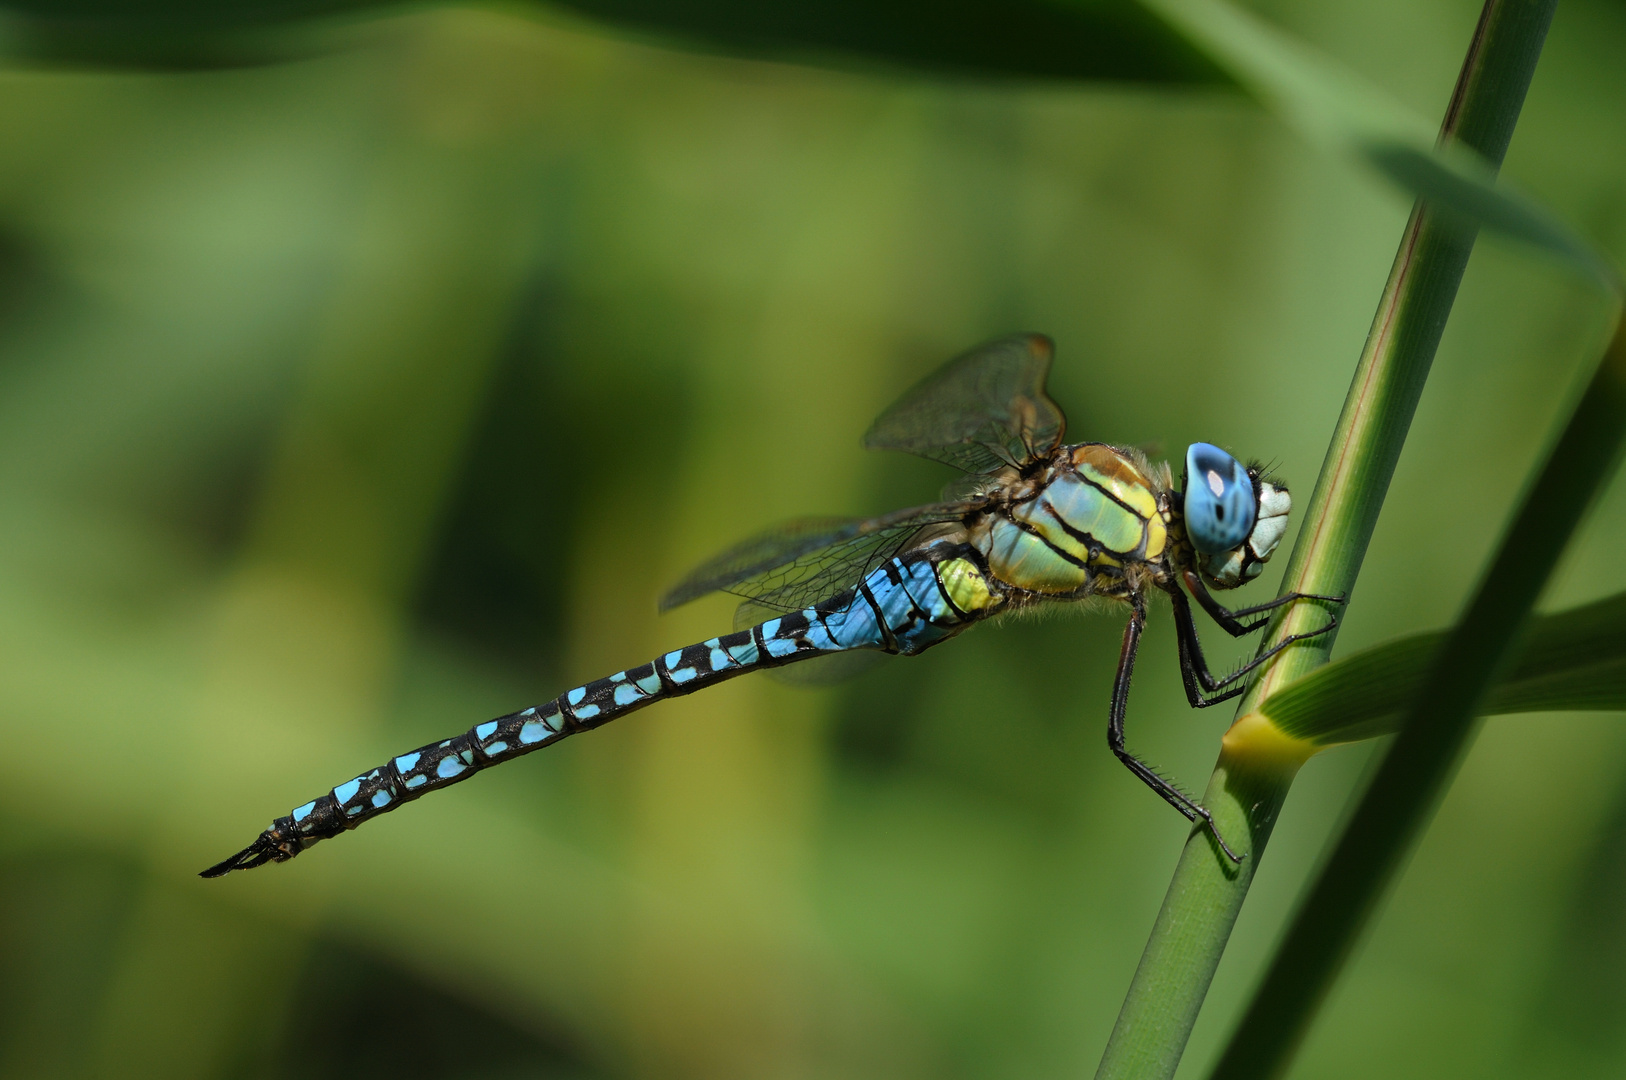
1036	521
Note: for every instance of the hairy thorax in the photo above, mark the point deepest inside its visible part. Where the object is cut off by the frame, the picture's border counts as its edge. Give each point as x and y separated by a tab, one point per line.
1089	521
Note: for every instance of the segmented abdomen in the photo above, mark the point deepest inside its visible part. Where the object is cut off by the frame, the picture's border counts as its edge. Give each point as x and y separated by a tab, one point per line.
904	606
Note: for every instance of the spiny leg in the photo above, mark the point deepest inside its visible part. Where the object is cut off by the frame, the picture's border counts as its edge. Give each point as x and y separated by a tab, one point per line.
1231	621
1115	730
1199	682
1201	685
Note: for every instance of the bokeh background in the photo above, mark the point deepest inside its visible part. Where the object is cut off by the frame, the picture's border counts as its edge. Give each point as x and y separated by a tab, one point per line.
377	387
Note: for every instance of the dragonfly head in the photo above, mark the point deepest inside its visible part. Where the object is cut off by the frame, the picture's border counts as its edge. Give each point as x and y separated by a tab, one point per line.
1234	517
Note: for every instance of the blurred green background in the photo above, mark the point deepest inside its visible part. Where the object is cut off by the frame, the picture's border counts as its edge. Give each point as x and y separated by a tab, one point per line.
378	387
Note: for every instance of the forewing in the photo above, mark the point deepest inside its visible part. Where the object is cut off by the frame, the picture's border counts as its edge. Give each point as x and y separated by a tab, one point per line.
805	561
979	411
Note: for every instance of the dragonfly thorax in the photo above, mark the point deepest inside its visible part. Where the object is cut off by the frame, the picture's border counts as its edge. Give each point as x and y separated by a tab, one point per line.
1080	525
1095	519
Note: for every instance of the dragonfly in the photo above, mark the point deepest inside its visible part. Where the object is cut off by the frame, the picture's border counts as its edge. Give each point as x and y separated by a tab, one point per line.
1033	521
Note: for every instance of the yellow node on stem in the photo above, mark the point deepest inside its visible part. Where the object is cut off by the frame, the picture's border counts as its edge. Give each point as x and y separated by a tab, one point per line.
1256	741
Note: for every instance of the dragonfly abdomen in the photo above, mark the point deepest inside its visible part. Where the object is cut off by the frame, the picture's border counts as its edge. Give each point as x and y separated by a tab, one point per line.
451	761
904	606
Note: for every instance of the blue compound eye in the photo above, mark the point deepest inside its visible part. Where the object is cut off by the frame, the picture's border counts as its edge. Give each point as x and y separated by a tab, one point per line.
1220	500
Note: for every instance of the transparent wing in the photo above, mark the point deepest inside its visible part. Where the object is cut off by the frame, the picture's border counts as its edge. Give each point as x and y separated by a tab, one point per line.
980	410
805	561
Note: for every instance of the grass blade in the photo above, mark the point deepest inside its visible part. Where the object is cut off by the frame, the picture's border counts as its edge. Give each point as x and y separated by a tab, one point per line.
1336	109
1257	761
1434	733
1574	659
1014	39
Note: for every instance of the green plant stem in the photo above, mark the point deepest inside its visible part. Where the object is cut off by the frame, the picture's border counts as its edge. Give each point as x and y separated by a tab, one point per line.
1436	730
1247	788
1568	660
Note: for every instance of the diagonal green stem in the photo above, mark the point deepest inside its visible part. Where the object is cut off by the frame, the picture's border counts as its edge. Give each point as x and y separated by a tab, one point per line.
1436	730
1248	788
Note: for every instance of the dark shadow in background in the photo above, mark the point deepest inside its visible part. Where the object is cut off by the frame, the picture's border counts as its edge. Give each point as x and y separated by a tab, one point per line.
1578	1019
63	919
1027	39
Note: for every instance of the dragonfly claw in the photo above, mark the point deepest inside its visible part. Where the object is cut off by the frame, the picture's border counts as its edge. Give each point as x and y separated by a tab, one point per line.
1213	831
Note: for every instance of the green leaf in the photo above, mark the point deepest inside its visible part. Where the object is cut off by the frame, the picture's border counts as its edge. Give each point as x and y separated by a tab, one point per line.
1336	110
1438	723
170	34
1027	39
1574	659
1333	107
1109	39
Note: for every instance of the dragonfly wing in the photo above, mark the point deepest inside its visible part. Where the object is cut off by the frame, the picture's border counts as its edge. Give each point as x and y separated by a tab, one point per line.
979	411
805	561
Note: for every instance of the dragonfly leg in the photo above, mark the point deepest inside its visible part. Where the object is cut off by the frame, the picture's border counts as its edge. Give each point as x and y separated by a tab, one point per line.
1203	688
1193	810
1231	621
